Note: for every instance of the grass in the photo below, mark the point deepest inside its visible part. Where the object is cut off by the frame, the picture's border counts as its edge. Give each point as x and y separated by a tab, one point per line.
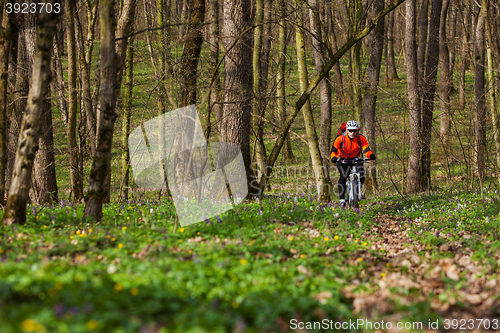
266	262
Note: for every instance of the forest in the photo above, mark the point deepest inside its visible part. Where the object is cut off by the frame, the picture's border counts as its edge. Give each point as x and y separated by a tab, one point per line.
107	107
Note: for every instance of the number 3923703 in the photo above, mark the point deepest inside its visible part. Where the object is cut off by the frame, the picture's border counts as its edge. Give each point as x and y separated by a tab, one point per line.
32	8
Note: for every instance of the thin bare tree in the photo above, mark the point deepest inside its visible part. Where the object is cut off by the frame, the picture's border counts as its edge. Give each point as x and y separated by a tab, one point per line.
5	37
102	157
376	42
413	175
15	210
391	62
444	82
280	76
75	177
479	97
428	92
312	138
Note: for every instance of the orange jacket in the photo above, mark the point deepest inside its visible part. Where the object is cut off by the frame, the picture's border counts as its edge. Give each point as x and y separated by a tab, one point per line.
344	147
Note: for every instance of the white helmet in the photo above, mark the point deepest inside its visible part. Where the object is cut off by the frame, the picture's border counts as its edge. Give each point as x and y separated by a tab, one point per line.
352	125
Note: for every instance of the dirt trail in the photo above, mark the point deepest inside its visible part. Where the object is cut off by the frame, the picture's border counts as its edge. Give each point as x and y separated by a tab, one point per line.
410	276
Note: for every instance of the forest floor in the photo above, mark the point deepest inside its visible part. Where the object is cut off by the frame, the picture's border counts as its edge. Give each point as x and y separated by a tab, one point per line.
281	264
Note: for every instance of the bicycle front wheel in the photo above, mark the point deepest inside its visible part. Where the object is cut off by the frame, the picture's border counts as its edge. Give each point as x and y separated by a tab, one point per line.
355	197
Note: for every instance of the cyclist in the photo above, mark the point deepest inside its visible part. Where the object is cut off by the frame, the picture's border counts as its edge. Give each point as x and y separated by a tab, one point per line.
349	146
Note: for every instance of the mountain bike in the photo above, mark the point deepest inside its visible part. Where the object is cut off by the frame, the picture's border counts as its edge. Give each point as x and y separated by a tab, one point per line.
354	182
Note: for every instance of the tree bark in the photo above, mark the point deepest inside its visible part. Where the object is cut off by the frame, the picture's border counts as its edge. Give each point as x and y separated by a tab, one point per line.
492	87
325	89
20	83
102	158
444	82
355	62
312	138
428	91
191	52
127	112
280	77
58	69
479	98
258	123
451	45
463	56
166	70
413	175
262	46
5	37
371	87
123	29
238	92
15	210
391	63
341	98
215	97
85	57
44	172
75	177
422	26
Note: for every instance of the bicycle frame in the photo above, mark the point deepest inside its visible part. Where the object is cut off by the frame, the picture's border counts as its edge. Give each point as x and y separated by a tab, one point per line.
354	183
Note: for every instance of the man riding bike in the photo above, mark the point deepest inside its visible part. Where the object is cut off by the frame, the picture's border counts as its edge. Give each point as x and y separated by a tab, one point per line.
349	146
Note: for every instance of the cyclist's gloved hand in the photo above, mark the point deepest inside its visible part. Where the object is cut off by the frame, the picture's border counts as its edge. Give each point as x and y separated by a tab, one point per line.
373	157
334	159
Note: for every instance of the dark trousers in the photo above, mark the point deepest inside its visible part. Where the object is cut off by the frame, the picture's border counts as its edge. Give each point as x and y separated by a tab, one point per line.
345	171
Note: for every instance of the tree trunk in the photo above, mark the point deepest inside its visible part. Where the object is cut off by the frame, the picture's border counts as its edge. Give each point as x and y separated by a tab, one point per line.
191	52
5	37
312	138
444	82
102	158
370	99
260	100
75	177
17	107
451	46
44	170
356	63
325	88
280	77
492	87
463	56
165	56
479	93
85	57
258	123
215	90
59	82
236	118
44	184
123	29
15	210
428	92
391	63
313	84
266	50
341	99
413	175
422	31
127	111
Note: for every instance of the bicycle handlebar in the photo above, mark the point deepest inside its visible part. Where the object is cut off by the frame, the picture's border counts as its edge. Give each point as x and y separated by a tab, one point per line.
354	161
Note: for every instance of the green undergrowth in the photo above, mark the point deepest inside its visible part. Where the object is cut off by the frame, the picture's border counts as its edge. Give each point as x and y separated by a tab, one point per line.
263	263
